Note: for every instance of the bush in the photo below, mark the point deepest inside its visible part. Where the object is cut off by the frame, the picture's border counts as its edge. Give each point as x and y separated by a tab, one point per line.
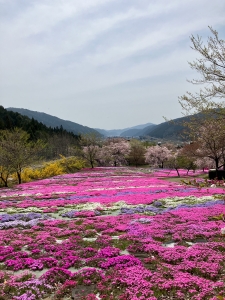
61	166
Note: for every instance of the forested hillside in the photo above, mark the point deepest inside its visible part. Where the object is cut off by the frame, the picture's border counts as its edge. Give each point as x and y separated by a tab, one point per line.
52	121
10	119
58	140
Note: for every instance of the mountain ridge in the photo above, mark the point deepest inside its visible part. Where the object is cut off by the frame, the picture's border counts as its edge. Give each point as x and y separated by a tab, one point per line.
119	132
170	130
52	121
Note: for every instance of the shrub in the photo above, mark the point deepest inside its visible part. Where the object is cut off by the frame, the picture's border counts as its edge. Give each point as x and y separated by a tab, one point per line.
61	166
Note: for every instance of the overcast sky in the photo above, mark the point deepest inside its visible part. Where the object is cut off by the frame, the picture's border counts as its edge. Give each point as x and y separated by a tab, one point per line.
102	63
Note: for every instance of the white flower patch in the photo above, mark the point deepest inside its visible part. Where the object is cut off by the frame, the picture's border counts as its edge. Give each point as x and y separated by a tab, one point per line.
15	210
88	206
213	185
96	205
124	187
89	239
60	241
169	245
174	201
15	195
117	205
80	207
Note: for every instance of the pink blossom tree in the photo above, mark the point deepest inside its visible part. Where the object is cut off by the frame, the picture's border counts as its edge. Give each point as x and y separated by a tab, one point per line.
204	163
114	153
157	155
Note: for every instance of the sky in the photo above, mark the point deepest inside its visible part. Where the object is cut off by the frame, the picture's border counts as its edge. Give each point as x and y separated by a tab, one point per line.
102	63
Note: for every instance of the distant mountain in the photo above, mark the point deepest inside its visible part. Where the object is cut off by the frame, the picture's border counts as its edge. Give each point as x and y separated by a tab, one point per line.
52	121
136	132
131	133
172	130
120	132
102	131
145	130
142	126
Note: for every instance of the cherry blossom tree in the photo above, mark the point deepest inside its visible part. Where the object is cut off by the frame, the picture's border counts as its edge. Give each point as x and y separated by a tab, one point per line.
211	69
114	153
157	155
204	163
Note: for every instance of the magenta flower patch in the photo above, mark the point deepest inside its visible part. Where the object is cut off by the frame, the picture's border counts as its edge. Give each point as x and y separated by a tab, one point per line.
112	233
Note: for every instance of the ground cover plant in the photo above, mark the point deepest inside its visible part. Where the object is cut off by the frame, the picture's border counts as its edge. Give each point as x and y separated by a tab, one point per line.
113	233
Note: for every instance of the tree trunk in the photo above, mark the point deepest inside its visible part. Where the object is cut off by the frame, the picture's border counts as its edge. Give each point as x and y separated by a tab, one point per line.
217	166
178	174
217	163
5	181
19	177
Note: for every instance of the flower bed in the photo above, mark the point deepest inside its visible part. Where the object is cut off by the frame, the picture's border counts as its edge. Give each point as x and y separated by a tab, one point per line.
112	233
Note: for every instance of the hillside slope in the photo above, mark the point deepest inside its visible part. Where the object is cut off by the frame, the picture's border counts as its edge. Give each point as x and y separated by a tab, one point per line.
10	119
173	129
52	121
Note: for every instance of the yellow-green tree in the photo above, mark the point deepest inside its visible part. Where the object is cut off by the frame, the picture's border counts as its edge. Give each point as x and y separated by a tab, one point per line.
17	152
137	153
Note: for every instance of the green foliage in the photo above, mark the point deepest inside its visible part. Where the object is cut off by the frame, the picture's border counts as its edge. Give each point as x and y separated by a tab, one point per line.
219	217
122	244
180	162
71	164
4	175
137	151
147	144
186	163
220	297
